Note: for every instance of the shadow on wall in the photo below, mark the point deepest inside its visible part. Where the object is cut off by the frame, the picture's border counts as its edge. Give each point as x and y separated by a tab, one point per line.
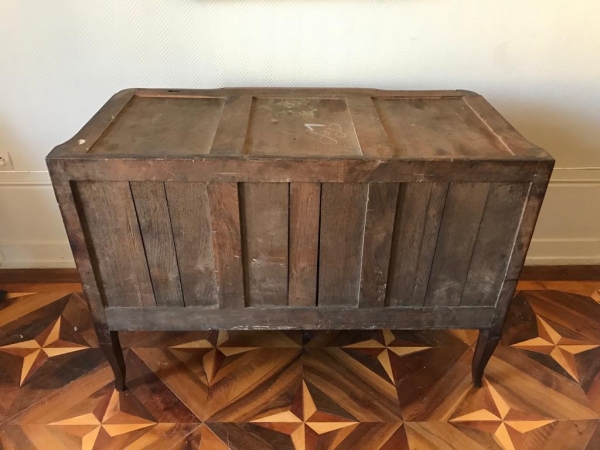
569	136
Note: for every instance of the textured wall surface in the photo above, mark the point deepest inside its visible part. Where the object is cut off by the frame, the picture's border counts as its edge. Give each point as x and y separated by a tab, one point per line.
537	61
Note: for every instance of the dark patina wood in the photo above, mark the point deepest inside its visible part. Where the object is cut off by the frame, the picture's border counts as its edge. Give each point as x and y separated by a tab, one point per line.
298	208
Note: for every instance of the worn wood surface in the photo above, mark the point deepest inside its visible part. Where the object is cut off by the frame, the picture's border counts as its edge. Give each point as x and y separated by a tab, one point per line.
377	243
192	233
230	137
418	216
112	228
184	126
154	219
305	205
458	233
343	212
265	220
265	318
227	243
494	242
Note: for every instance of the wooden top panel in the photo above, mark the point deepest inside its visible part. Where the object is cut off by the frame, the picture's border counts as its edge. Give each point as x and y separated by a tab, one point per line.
299	123
161	126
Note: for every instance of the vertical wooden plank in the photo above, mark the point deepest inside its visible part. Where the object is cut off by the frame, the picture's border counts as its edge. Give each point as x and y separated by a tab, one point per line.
413	202
305	200
112	226
343	212
265	222
379	228
458	232
435	211
227	243
155	224
494	242
192	234
230	137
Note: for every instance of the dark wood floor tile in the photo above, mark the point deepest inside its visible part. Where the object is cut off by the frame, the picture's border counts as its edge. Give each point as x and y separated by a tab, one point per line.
531	387
44	350
575	312
351	385
548	329
430	383
89	413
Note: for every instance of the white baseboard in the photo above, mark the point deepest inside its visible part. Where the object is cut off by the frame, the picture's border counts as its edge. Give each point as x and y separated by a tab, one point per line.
550	252
30	255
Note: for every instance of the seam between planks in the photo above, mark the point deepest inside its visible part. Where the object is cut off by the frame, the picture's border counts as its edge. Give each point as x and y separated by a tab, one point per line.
485	205
174	244
437	242
137	219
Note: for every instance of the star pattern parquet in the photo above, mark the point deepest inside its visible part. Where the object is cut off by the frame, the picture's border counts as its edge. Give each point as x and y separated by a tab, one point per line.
329	390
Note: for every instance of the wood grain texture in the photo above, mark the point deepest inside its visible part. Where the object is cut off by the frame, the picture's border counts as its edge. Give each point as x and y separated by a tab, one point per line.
148	126
155	224
458	233
305	202
191	224
435	211
230	137
114	234
379	229
496	237
301	127
326	318
434	128
411	218
227	243
371	135
301	170
265	222
343	213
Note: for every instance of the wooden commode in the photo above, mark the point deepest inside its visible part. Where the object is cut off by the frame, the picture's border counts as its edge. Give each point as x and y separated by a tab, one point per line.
298	209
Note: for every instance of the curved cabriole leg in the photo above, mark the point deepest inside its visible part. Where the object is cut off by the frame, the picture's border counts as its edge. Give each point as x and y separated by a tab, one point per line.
486	344
111	346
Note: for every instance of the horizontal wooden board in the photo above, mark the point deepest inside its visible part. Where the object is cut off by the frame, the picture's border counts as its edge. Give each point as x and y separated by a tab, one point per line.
304	170
194	318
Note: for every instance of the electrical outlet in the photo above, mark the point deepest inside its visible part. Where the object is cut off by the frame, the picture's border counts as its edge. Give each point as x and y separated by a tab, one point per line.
5	161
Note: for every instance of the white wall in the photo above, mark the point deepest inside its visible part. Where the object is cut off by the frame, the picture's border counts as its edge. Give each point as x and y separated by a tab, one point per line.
537	61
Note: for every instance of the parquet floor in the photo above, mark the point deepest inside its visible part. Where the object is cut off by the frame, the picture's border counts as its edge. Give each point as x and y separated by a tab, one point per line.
388	390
